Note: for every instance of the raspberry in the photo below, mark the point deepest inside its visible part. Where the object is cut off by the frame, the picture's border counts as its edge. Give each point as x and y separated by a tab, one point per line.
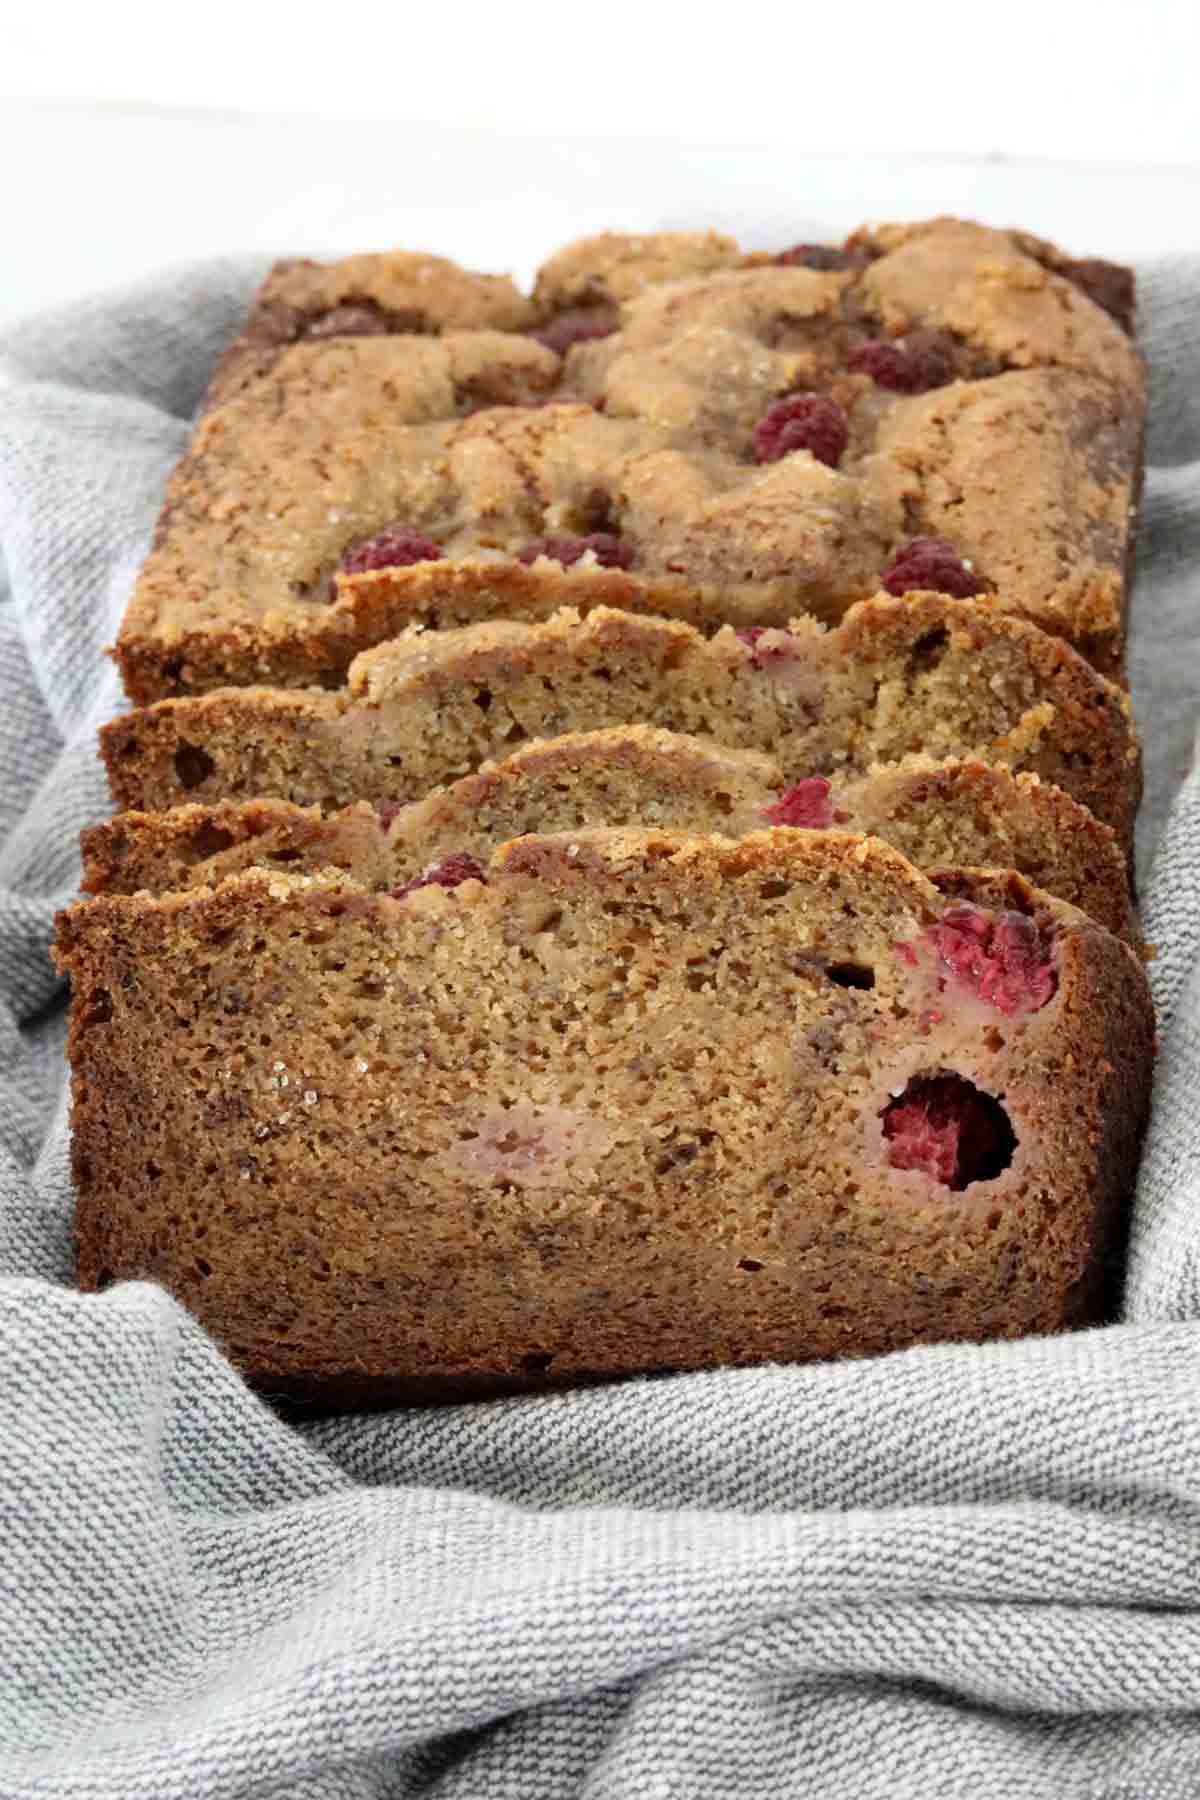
610	552
910	365
802	422
387	811
778	648
1109	286
825	257
1002	958
394	548
579	326
448	874
808	803
946	1127
930	562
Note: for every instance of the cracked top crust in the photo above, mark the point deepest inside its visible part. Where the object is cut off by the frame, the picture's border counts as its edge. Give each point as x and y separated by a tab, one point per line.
398	391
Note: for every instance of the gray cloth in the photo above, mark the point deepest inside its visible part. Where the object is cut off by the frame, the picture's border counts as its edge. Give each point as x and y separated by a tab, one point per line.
957	1571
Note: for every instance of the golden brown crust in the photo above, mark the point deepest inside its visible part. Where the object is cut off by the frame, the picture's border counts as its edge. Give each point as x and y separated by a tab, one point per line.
1002	290
1110	285
670	1020
395	292
616	266
1059	453
898	676
1029	461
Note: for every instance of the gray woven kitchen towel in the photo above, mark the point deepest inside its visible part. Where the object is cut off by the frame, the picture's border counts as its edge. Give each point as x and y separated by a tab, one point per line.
954	1572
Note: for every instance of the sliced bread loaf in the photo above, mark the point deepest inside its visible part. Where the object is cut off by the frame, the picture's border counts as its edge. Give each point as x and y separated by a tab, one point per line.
921	674
954	812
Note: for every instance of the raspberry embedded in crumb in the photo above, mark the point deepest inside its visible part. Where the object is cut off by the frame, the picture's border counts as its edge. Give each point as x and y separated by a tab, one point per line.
609	551
449	874
387	810
808	803
949	1129
1108	286
1001	958
766	644
395	548
930	563
579	326
809	422
911	365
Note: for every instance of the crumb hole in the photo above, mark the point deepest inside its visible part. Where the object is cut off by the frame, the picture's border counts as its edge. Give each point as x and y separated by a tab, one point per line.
750	1265
927	652
537	1362
851	975
594	513
210	840
96	1008
193	765
950	1130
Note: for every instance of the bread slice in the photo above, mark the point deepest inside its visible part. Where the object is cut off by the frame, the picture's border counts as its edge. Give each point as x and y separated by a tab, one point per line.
634	1100
920	674
954	812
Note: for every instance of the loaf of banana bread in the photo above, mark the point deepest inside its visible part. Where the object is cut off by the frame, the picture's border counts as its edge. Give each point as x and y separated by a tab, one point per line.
627	815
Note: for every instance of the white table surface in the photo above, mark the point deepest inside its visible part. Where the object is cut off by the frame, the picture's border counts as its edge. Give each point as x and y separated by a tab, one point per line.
96	195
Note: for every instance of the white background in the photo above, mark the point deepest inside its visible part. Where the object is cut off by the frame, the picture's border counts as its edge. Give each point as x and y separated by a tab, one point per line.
133	135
